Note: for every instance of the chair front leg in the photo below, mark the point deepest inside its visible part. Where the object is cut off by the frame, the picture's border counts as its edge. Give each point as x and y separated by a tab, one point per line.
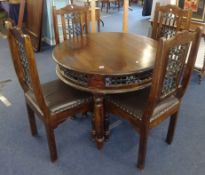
32	121
172	126
142	148
51	143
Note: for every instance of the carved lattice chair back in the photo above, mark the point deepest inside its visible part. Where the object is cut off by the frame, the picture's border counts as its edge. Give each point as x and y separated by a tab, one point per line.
173	67
24	64
147	108
53	101
168	20
70	22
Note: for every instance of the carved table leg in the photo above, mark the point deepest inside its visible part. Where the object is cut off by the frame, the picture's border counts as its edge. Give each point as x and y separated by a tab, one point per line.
98	120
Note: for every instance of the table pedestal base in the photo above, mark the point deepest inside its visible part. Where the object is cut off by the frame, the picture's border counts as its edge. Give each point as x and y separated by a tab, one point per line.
100	123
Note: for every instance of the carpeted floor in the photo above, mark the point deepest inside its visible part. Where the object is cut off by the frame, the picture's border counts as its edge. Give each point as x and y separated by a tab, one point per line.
22	154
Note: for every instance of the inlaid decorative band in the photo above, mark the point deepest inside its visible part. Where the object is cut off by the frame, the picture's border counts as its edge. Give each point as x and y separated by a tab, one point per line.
79	78
134	79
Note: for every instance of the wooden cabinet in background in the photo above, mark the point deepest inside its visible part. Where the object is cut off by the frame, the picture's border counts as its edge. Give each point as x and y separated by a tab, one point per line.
34	19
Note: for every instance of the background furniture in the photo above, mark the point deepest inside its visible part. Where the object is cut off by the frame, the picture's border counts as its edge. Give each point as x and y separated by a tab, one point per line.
198	21
108	3
31	14
191	25
146	109
21	13
14	10
200	61
3	17
34	20
97	17
73	22
147	8
97	12
54	101
105	63
197	7
168	20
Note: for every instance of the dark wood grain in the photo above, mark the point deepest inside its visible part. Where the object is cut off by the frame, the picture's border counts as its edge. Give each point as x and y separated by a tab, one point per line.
92	63
53	101
107	54
34	21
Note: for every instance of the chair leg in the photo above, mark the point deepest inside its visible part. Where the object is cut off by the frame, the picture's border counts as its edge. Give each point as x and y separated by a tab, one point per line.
51	143
32	121
108	6
200	78
142	148
102	5
172	126
85	114
118	5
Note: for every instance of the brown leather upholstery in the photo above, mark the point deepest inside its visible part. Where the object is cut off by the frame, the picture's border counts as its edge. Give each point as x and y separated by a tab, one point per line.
134	103
60	97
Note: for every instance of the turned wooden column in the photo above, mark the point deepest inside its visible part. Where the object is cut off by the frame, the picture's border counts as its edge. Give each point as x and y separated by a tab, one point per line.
125	16
93	16
99	119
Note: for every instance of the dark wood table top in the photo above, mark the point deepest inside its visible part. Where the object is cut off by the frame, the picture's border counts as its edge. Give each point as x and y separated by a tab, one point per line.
107	54
106	62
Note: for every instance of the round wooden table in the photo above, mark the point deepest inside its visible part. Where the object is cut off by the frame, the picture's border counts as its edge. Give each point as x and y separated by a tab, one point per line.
105	63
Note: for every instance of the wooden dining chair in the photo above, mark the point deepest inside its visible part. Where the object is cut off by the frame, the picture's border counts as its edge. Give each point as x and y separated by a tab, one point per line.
168	20
147	108
70	22
53	101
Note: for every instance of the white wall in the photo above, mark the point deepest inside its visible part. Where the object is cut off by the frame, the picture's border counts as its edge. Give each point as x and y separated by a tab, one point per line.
48	33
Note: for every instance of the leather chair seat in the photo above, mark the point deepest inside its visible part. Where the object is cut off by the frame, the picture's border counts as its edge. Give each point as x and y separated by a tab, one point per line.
134	103
60	97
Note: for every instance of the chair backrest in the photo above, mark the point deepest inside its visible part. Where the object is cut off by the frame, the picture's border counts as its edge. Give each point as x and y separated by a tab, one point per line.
70	22
173	67
168	20
24	64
